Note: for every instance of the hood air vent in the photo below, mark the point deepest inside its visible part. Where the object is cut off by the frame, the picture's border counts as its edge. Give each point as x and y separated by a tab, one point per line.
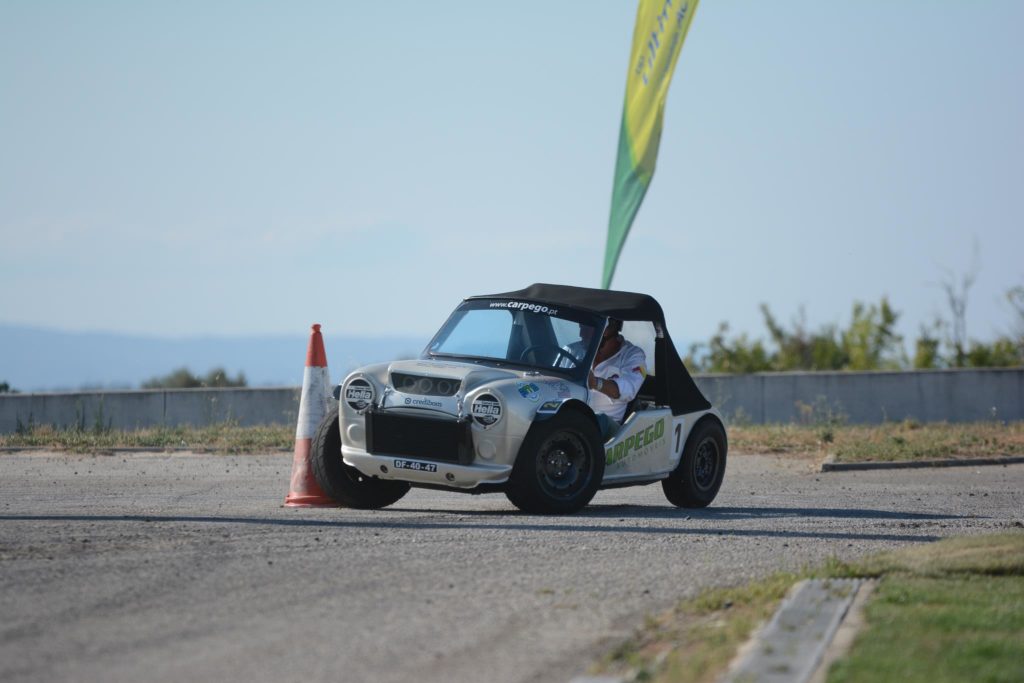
424	386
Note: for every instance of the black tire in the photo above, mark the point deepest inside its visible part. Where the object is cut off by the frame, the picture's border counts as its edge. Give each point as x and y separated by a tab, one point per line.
695	481
560	466
344	483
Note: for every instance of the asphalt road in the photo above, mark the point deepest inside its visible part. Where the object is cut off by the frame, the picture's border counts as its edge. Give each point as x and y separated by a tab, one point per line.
185	567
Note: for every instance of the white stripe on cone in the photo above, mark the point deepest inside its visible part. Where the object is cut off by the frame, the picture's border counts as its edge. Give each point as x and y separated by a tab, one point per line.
315	401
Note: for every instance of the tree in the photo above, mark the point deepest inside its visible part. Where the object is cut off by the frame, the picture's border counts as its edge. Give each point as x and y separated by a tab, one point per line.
738	356
871	342
1002	353
1016	298
960	350
802	350
5	388
182	378
956	298
926	349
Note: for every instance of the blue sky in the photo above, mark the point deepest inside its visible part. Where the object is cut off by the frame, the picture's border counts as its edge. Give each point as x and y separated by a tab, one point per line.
196	168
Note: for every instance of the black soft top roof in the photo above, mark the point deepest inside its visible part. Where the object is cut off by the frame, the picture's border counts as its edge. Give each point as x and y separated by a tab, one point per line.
621	305
675	387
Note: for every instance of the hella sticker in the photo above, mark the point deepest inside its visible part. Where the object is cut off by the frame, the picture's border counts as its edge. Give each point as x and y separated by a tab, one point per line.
486	410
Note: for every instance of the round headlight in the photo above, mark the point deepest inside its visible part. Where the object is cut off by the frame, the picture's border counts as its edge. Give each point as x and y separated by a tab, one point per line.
486	410
359	394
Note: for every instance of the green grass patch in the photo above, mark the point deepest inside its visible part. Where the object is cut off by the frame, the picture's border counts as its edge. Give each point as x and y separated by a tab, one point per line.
961	628
957	603
908	440
216	438
948	611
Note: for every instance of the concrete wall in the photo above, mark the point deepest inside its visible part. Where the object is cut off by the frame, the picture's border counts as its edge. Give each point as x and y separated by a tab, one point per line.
869	397
150	408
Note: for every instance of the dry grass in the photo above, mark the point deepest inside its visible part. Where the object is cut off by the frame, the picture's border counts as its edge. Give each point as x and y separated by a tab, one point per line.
217	438
906	440
994	555
849	443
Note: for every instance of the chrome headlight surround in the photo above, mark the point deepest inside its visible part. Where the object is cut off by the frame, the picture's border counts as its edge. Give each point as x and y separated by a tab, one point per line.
359	394
487	410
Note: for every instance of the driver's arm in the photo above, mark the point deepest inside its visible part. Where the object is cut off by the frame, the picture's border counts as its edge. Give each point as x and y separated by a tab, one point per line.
627	385
608	387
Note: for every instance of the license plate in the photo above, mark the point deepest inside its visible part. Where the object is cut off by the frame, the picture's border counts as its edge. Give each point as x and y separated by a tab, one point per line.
415	466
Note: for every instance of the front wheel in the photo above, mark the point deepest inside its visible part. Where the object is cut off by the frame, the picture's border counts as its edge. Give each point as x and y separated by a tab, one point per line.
560	466
694	483
344	483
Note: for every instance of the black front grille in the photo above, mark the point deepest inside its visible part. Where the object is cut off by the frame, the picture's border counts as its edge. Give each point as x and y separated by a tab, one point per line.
419	437
423	385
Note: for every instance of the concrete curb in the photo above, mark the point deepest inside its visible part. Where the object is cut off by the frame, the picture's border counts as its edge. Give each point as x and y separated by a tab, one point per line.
831	466
852	624
790	648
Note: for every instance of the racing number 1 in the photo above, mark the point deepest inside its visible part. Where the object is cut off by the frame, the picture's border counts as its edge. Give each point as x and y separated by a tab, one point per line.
679	433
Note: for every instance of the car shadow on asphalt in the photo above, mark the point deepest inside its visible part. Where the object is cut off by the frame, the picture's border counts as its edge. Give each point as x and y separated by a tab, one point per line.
630	511
660	512
546	524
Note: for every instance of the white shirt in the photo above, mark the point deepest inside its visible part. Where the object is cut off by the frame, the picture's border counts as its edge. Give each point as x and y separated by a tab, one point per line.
628	368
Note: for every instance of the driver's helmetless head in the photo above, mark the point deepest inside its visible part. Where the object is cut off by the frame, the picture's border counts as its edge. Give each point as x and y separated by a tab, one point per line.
612	330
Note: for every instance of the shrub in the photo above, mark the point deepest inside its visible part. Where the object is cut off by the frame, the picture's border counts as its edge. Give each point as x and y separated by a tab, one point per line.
182	378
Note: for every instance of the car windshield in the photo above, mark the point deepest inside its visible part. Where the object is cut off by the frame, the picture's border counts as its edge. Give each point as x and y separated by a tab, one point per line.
503	331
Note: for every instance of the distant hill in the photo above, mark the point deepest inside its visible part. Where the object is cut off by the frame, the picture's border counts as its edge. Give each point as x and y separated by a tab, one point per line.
35	359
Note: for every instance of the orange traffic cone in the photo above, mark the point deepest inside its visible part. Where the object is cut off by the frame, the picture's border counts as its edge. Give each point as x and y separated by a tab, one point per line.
316	392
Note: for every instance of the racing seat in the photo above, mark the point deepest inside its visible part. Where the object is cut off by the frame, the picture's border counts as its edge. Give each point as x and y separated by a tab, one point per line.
643	398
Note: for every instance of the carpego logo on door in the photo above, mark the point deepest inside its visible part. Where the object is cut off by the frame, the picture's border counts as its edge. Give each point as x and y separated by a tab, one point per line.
639	443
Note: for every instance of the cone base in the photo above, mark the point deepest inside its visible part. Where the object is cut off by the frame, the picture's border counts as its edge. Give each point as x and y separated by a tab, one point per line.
308	501
304	491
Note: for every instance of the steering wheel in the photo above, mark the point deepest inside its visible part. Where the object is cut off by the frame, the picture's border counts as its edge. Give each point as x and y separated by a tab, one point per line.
559	352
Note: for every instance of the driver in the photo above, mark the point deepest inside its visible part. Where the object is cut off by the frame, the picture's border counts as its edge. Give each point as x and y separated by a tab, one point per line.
618	373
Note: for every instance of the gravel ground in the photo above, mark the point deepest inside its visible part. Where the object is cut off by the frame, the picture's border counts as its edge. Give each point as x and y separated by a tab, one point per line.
175	567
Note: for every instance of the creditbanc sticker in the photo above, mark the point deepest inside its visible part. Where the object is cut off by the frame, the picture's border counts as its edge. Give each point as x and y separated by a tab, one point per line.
397	399
637	444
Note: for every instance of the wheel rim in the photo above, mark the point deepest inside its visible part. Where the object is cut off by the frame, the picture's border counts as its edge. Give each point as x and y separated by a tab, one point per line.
705	464
563	465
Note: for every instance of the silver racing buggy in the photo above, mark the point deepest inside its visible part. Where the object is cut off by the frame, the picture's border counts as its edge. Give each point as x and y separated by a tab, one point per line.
498	402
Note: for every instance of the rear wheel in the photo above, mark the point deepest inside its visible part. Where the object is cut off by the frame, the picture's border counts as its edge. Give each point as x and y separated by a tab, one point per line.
344	483
695	481
560	466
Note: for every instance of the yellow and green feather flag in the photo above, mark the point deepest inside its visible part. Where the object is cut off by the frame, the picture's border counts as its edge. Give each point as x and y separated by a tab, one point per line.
661	27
